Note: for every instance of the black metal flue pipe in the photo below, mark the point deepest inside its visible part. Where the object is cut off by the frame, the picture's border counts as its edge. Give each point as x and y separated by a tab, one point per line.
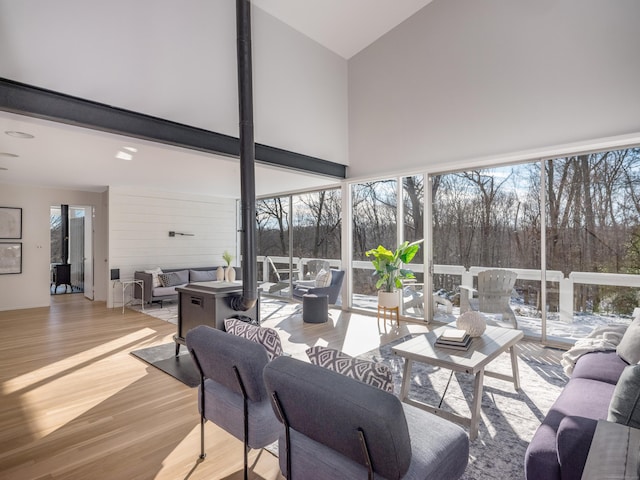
247	160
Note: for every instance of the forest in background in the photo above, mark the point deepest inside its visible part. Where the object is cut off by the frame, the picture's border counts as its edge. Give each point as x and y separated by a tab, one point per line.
488	218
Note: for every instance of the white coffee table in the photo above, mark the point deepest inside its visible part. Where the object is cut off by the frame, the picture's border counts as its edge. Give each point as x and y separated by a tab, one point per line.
482	351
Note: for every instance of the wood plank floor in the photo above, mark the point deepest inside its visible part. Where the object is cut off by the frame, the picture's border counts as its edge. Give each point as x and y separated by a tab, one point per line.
76	405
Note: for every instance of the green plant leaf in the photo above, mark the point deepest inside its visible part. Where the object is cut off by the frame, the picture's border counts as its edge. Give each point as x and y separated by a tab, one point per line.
387	264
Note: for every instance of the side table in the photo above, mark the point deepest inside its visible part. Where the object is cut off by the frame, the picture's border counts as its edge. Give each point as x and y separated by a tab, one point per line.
127	283
315	308
614	452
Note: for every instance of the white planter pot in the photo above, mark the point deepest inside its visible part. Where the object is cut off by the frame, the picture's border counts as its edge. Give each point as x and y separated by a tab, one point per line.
389	299
220	274
230	274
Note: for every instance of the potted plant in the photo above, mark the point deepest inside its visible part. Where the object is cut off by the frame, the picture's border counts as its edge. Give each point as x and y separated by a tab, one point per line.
388	269
230	273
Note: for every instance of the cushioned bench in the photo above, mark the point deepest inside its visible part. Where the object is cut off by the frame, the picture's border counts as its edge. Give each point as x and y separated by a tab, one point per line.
339	427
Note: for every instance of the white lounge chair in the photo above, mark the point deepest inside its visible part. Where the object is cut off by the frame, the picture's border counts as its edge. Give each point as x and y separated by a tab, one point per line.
493	295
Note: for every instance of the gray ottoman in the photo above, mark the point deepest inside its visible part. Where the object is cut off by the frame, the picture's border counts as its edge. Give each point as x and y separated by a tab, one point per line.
315	308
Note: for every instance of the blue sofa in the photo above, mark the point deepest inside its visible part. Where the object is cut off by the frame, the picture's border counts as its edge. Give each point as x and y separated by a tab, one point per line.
559	448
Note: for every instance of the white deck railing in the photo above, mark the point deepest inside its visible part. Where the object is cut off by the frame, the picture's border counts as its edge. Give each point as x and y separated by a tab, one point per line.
566	285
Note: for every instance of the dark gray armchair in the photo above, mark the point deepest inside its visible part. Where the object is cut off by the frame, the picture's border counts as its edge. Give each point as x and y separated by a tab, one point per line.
332	291
338	427
232	392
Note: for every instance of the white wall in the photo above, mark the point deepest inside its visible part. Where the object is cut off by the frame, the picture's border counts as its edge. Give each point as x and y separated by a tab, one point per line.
31	288
140	222
177	60
466	79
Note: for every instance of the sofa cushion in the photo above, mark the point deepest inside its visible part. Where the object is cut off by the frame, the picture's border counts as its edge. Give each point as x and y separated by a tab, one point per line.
629	347
580	397
573	441
171	279
602	366
202	276
625	402
323	278
164	292
265	336
155	281
371	373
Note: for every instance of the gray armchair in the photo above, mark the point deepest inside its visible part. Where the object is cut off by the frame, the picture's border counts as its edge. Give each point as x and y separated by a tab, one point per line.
232	393
332	291
338	427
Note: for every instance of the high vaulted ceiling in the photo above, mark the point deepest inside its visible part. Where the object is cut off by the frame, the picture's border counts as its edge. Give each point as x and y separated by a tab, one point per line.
343	26
84	159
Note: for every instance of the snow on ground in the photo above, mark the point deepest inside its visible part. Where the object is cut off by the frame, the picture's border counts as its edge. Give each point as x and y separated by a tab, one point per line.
529	320
531	324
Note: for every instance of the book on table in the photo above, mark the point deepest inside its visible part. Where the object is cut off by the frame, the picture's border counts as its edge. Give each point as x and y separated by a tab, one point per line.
453	334
454	338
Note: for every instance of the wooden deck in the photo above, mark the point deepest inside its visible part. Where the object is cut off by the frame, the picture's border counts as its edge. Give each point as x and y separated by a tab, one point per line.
77	405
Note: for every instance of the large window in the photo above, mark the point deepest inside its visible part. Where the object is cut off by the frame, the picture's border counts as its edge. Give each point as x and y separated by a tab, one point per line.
379	219
592	240
487	219
374	207
295	233
577	264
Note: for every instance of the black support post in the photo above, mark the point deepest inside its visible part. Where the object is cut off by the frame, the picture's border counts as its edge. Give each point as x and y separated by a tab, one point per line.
247	160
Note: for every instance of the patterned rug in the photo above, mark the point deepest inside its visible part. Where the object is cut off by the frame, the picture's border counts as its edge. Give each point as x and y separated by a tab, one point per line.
168	311
509	418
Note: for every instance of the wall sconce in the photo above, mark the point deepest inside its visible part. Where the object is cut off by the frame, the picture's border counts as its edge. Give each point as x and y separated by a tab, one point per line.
173	234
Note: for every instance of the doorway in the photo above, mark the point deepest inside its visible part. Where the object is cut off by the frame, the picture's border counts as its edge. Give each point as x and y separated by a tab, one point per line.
71	263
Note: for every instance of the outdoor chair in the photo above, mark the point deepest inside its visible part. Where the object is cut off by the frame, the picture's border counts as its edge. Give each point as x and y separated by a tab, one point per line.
280	283
232	393
413	297
314	266
493	295
332	291
338	427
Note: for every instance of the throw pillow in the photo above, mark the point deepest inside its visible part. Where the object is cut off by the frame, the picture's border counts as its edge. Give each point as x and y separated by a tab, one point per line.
629	347
202	276
323	278
267	337
170	279
155	281
625	402
371	373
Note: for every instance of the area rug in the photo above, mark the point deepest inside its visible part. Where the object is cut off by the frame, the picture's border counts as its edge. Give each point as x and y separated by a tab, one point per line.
509	418
163	357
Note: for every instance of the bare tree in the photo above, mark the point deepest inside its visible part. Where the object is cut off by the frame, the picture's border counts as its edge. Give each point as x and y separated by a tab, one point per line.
270	213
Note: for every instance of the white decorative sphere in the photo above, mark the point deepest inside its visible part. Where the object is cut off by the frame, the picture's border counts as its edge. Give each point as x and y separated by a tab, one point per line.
472	322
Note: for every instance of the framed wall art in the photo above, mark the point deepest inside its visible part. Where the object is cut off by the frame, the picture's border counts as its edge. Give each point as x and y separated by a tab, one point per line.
10	223
10	258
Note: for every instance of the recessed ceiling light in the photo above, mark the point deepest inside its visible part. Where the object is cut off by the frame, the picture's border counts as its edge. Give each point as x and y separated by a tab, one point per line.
124	156
131	149
8	155
16	134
